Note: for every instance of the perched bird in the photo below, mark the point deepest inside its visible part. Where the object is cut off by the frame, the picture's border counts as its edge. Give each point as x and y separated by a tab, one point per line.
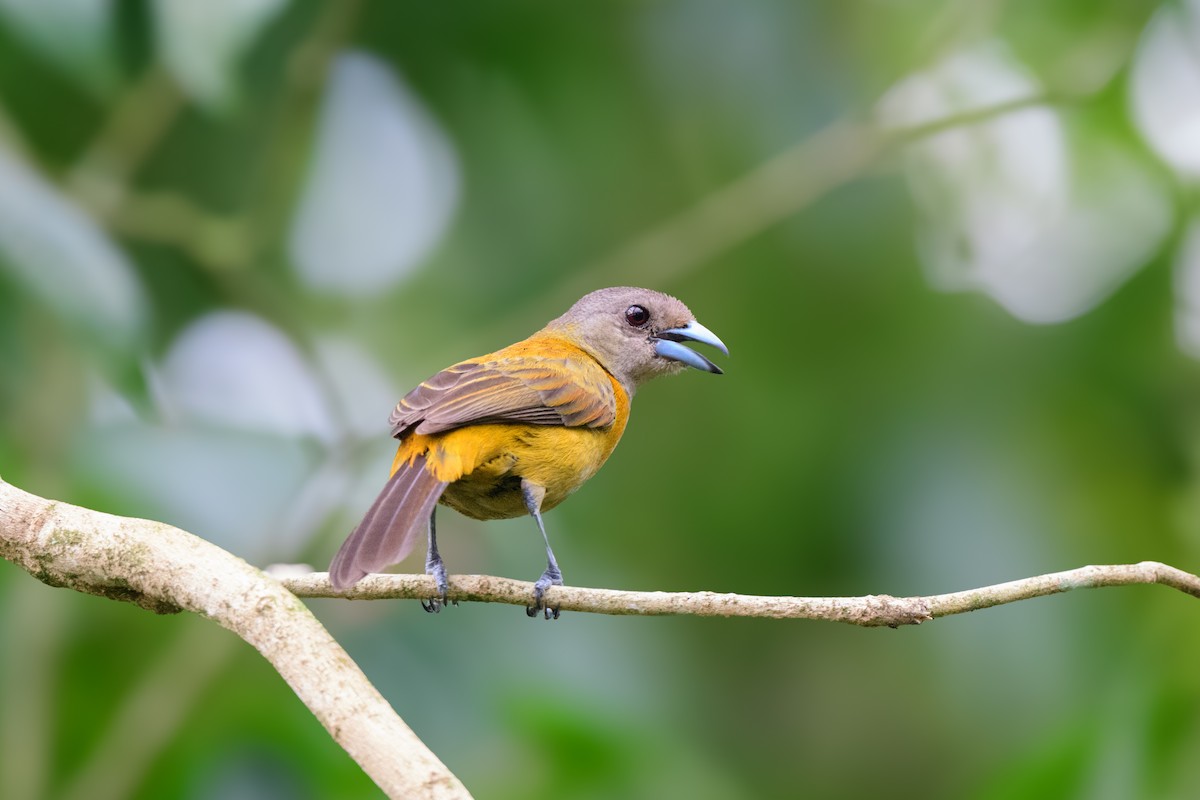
516	431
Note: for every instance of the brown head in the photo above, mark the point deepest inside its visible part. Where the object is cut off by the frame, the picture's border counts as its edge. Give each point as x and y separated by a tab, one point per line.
636	334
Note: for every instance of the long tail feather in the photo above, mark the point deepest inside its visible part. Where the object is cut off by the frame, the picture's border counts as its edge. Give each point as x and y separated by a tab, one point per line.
391	526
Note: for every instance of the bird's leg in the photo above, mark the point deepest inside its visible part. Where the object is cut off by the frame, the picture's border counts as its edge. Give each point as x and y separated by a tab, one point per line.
533	495
435	567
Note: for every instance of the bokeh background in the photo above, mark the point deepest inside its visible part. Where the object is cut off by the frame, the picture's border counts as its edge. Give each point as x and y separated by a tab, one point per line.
953	246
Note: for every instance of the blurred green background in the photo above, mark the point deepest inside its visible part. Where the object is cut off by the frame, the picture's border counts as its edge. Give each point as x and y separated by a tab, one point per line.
954	249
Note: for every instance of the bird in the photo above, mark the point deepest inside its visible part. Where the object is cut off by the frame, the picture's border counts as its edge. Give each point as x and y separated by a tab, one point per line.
516	431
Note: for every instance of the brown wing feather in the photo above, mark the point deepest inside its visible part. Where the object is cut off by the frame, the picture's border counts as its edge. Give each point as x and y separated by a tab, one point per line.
539	391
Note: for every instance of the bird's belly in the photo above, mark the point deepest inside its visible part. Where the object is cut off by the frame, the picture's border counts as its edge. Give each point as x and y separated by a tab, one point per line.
558	459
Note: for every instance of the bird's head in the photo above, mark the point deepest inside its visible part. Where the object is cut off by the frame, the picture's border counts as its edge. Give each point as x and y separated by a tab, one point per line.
636	334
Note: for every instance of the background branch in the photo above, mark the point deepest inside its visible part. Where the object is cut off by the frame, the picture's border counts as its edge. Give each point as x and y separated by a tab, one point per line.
871	611
774	190
164	569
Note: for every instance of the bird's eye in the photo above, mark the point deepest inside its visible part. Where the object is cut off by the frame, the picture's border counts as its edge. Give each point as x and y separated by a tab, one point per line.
637	316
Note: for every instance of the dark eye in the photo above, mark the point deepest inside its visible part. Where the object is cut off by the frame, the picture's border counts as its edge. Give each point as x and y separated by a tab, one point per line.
637	316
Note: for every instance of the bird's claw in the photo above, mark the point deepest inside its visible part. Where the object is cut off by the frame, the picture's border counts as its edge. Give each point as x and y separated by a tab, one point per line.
551	612
434	604
549	578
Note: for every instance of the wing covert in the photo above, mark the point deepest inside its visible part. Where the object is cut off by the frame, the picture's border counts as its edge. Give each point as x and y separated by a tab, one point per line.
538	391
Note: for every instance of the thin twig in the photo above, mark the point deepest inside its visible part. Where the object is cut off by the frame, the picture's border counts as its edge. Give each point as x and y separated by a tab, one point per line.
777	189
164	569
221	243
136	126
772	191
870	611
12	140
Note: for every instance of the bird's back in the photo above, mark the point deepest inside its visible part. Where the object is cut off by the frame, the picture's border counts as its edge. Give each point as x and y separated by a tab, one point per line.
484	462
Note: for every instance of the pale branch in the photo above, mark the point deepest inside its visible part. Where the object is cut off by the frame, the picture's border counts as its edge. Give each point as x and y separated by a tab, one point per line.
165	569
870	611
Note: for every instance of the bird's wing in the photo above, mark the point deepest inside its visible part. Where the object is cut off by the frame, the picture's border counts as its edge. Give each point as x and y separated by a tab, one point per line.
539	391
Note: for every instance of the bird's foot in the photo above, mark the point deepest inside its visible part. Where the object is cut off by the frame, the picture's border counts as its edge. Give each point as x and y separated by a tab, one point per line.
436	603
551	577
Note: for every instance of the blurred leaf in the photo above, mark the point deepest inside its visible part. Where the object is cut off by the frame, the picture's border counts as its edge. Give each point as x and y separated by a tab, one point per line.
1187	291
106	405
231	487
360	390
1048	225
234	370
1165	88
382	186
75	34
242	401
203	43
65	259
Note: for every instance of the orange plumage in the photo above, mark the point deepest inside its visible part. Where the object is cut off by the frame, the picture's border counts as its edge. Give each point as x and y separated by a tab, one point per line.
477	459
518	430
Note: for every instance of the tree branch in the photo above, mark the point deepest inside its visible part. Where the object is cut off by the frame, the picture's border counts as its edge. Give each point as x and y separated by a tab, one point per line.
165	570
871	611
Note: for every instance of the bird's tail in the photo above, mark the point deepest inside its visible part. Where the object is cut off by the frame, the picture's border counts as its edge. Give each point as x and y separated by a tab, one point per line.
393	524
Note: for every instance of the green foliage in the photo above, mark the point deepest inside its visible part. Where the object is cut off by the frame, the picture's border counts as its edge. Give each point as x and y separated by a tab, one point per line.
968	361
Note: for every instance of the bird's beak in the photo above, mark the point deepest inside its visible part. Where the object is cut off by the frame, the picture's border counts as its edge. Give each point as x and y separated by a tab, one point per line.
667	344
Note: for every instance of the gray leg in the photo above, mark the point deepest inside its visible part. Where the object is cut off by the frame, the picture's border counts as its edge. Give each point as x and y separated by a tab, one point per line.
435	567
553	575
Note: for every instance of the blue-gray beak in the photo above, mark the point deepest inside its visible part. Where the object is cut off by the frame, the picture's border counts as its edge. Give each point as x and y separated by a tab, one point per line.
667	344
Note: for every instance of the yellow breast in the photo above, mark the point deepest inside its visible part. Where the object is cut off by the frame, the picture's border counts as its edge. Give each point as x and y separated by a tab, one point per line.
485	464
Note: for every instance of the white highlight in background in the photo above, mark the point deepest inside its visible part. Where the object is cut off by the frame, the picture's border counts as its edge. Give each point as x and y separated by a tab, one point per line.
1041	219
1165	85
382	186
